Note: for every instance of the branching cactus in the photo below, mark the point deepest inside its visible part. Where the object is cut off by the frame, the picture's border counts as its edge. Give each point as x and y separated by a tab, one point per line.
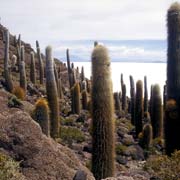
139	107
22	70
41	115
52	94
132	105
41	66
172	126
32	69
102	115
7	73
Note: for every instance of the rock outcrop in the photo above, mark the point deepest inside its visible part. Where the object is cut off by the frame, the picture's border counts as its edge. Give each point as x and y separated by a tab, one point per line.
41	158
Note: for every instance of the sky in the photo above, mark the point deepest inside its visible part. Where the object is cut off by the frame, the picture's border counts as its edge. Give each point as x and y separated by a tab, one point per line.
55	21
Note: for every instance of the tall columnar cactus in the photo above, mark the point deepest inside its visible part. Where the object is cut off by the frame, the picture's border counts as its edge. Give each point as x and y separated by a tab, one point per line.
52	94
151	101
41	66
164	96
7	73
13	62
122	82
82	74
19	51
84	99
132	105
124	99
147	136
77	104
22	70
56	76
69	69
172	127
157	112
139	107
145	95
102	115
61	95
32	69
117	103
41	115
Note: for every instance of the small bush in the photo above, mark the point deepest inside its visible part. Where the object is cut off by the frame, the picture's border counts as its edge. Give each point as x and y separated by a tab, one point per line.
13	101
164	167
9	169
19	93
70	134
67	121
120	149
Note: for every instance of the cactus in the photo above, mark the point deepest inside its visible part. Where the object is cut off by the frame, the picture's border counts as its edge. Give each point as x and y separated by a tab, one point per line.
19	51
117	103
164	96
84	99
13	62
22	70
151	101
56	77
41	115
52	94
157	112
102	115
147	136
132	105
7	72
32	69
95	43
145	95
82	74
139	107
41	66
172	126
124	99
61	95
69	69
76	98
122	82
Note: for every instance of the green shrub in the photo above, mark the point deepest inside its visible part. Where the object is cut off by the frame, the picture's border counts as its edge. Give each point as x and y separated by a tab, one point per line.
70	134
120	149
9	169
164	167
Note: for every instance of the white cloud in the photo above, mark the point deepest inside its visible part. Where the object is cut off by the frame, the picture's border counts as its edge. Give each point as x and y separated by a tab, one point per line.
50	21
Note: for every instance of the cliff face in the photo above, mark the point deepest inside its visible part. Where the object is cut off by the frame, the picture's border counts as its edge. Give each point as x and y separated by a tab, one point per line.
41	158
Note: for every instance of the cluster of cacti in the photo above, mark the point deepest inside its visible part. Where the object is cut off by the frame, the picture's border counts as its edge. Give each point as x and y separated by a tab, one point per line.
41	115
75	99
22	70
172	110
32	69
52	94
7	72
102	115
145	95
157	112
41	66
132	101
139	107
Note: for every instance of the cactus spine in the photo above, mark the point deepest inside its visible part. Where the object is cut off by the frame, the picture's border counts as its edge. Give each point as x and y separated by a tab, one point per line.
7	73
52	94
41	115
139	107
132	105
157	113
41	66
22	70
102	115
172	126
145	95
32	69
